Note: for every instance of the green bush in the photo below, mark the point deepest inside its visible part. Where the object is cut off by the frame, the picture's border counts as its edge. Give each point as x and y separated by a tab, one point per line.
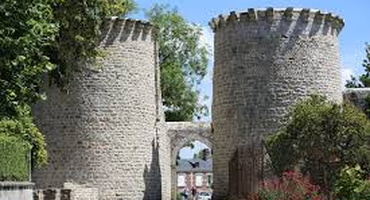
321	138
351	184
14	161
25	129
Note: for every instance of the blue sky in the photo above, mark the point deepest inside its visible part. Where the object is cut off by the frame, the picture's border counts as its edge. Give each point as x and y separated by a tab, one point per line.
352	38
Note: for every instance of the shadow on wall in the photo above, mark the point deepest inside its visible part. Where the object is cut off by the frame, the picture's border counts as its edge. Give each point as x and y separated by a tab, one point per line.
121	30
280	43
152	176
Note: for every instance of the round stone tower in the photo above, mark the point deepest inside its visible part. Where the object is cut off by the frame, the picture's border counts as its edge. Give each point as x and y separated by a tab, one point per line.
104	132
266	60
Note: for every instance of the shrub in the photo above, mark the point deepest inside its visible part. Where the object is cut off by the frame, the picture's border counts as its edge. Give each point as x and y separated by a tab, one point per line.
351	184
25	129
14	161
322	138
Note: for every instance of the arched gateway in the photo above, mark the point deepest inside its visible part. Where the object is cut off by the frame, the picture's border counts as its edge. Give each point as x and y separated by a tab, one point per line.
181	133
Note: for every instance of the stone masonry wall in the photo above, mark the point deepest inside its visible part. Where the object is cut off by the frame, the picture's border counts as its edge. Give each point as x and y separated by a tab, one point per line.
105	131
265	61
357	96
164	142
66	194
165	161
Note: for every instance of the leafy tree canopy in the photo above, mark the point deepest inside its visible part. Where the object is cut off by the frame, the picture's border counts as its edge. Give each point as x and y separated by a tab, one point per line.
26	28
203	154
39	36
321	138
79	30
183	63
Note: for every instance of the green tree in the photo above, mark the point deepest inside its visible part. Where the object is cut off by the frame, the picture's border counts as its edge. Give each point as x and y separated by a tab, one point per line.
26	28
79	33
183	63
364	79
40	36
353	83
320	138
203	154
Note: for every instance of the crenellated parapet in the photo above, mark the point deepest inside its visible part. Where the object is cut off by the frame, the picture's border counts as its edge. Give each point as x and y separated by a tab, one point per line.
276	15
115	28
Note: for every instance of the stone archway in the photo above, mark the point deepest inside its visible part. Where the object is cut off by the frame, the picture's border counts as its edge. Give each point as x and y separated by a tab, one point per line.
181	133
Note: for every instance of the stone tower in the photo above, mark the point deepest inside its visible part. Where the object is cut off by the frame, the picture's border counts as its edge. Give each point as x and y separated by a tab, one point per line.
104	133
266	60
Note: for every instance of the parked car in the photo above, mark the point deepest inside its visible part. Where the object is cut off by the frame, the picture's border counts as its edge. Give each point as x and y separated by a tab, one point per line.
204	196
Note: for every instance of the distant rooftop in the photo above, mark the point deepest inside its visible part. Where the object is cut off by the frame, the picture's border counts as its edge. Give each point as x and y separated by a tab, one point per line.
194	165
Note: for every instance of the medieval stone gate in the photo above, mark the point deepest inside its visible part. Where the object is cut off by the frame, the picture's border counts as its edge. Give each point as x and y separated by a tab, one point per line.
108	133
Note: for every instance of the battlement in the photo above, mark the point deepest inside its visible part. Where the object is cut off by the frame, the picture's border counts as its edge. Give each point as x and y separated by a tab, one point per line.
126	29
278	14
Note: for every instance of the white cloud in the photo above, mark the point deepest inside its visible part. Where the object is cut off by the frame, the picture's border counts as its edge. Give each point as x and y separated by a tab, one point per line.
346	74
353	62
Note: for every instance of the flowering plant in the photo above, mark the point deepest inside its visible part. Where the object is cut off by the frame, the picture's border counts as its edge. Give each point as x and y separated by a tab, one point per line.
291	186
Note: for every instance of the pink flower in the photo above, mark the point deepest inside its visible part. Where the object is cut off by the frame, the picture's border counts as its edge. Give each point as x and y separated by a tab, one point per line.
291	186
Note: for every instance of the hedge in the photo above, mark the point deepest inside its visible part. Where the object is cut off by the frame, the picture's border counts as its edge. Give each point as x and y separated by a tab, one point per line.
14	159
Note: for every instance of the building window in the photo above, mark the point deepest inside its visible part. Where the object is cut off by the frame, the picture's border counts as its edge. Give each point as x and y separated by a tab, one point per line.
198	180
181	180
209	179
